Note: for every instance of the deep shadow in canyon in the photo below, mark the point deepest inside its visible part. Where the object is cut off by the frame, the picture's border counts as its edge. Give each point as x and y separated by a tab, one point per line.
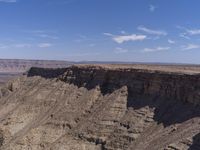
196	142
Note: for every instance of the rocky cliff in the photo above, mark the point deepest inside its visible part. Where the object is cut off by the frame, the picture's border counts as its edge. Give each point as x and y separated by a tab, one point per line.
169	85
102	107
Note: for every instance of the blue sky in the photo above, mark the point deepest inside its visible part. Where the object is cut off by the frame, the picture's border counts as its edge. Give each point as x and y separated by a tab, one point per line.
101	30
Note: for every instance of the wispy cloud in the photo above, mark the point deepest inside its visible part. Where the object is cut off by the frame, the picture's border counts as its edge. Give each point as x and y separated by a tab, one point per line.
171	41
190	47
125	38
157	49
8	1
48	36
17	45
34	31
107	34
123	32
152	8
24	45
183	35
62	2
193	31
44	45
119	50
82	38
187	32
150	31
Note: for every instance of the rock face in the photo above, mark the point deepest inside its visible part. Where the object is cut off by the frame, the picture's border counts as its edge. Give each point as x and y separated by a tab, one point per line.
101	108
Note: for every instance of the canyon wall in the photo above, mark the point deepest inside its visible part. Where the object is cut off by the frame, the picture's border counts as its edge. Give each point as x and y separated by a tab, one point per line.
176	86
101	108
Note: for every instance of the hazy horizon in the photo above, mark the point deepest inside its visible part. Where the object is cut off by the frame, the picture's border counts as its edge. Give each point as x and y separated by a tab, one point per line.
120	31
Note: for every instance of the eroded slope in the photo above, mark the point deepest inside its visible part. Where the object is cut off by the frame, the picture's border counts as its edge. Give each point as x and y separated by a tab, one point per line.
101	108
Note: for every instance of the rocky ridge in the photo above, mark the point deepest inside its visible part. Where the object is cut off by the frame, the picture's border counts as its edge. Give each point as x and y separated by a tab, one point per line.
101	107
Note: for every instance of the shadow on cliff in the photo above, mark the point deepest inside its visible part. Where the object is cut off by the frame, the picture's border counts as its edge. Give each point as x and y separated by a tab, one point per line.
48	73
167	111
196	143
1	138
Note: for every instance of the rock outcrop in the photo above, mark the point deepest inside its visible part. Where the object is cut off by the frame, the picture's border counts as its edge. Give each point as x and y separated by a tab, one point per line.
101	107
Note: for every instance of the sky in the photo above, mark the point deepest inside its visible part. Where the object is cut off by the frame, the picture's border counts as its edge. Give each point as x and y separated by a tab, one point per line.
165	31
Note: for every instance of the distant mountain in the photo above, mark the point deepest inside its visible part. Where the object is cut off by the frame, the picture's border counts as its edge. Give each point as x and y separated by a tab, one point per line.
10	68
20	65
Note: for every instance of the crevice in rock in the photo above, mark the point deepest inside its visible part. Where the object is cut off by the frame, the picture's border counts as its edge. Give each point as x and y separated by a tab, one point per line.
1	138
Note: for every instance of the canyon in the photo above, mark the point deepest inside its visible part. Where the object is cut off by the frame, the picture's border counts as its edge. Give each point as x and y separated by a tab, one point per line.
102	107
11	68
